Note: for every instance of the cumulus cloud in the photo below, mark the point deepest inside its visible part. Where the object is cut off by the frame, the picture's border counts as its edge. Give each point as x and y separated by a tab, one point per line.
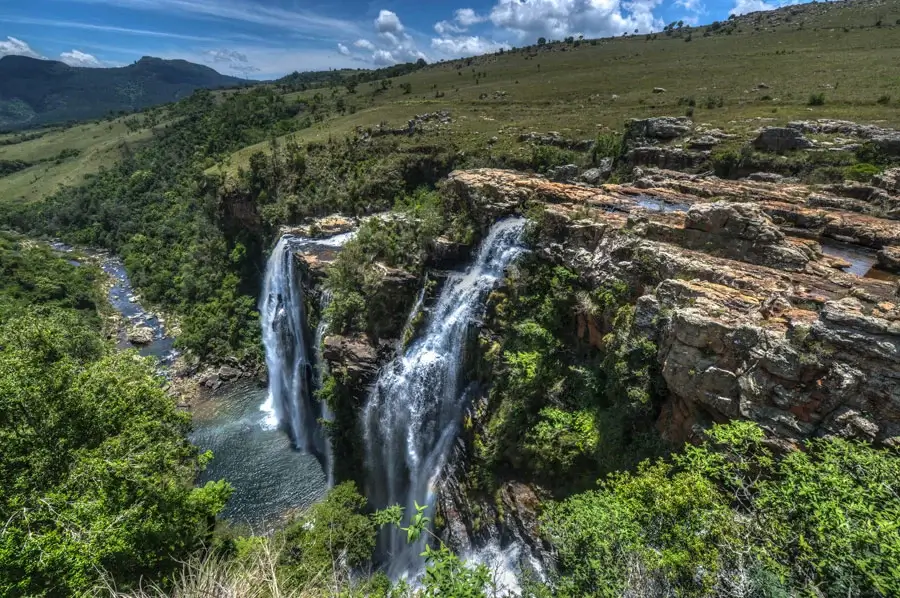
232	60
392	45
447	28
16	47
555	19
388	22
79	58
462	45
467	17
742	7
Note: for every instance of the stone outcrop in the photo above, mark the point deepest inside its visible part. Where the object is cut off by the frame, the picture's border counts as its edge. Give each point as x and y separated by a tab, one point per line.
140	335
671	158
781	139
750	319
650	131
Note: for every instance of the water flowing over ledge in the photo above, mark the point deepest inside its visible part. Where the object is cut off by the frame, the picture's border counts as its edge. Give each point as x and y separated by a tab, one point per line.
291	348
413	414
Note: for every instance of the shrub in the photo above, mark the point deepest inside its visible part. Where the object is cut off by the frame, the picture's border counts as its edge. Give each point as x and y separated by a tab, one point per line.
816	99
861	172
822	521
884	99
545	157
608	145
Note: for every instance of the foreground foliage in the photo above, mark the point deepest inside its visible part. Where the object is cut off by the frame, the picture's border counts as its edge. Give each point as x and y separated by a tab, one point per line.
730	518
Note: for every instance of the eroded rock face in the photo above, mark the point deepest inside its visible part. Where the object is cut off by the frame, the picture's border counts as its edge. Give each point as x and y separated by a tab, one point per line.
650	131
751	321
781	139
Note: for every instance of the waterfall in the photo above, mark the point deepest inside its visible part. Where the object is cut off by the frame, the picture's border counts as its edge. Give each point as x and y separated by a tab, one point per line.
413	414
289	357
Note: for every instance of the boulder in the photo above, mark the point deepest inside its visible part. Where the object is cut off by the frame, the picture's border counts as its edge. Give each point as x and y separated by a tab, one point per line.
228	373
563	174
765	177
597	175
668	158
659	90
781	139
703	143
649	131
140	335
889	259
888	144
889	180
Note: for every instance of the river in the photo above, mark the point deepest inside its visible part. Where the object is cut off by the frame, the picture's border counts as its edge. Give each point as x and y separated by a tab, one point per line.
270	479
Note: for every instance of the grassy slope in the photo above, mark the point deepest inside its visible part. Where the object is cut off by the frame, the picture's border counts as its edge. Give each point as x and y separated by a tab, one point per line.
832	48
572	91
100	144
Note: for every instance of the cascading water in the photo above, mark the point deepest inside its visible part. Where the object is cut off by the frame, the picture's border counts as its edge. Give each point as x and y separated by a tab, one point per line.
413	415
292	372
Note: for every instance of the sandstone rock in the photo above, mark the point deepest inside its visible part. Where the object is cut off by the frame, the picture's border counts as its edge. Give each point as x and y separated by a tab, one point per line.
889	180
228	373
140	335
652	130
597	175
780	139
703	143
889	259
664	157
563	174
765	177
888	144
356	355
749	322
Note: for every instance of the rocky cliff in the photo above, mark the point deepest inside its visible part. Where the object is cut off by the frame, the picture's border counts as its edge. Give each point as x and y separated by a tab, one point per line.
734	282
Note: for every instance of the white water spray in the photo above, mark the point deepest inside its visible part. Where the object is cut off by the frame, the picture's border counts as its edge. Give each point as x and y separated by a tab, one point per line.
289	355
413	414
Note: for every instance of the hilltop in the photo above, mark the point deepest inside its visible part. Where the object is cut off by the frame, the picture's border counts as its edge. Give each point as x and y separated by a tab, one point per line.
37	92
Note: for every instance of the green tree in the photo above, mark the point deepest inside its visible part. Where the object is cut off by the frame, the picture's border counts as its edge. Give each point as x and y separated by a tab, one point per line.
96	472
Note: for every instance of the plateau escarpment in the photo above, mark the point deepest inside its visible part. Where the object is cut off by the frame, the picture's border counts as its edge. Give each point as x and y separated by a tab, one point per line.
750	322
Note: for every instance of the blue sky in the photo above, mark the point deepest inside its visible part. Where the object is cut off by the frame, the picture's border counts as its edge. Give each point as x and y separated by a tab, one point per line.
268	38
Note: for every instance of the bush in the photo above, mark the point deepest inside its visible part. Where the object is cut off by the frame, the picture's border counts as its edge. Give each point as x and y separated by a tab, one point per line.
816	99
545	157
822	521
861	172
608	145
884	99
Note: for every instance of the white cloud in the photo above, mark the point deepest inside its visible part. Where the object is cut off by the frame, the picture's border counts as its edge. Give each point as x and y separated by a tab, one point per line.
303	22
388	22
79	58
695	6
232	60
556	19
392	45
109	28
383	58
16	47
446	28
742	7
471	45
467	17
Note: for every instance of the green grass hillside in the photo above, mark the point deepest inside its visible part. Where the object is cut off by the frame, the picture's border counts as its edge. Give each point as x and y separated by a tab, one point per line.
759	66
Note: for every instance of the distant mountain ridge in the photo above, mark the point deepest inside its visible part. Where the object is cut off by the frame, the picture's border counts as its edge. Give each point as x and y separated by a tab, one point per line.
39	92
